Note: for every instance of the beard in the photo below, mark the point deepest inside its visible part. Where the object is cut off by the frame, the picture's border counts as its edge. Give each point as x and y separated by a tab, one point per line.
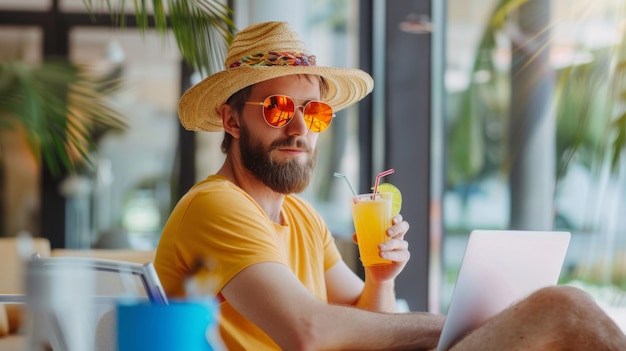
285	178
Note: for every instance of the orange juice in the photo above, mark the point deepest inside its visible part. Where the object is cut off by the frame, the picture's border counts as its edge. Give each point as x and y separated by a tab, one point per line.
372	218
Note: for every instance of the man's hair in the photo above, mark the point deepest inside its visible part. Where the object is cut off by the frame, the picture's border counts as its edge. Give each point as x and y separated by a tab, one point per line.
237	102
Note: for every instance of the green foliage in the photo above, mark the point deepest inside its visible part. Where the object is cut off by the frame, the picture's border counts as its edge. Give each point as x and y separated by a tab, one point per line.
592	111
589	101
59	105
476	134
203	28
619	124
583	111
62	108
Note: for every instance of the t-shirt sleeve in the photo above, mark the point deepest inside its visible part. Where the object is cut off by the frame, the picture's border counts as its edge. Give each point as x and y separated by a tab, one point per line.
229	233
331	252
318	226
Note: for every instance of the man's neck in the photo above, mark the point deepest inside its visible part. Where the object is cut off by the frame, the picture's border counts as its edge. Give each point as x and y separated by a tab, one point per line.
270	201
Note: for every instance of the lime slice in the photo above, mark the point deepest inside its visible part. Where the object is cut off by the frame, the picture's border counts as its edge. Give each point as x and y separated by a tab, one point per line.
396	201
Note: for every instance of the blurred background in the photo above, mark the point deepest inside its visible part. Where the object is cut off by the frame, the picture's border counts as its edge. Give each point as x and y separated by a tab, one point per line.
495	114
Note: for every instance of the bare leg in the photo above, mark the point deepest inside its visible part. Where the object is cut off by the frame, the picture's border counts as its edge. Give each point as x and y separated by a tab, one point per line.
555	318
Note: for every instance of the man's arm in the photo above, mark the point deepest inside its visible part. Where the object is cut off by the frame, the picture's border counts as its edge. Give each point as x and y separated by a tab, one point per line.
378	292
343	287
270	296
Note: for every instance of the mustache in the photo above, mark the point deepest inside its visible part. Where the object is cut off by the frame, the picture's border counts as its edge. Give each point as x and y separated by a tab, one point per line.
291	142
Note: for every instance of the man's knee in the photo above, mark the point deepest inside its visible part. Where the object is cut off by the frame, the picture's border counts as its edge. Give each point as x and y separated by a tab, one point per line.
570	307
574	318
561	296
558	309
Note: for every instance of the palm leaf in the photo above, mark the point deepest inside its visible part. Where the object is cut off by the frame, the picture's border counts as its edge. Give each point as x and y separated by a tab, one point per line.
203	28
583	113
591	115
618	87
471	151
59	105
585	96
620	141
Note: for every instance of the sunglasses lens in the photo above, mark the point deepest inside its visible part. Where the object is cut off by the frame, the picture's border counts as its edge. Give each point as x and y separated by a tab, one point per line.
278	110
318	116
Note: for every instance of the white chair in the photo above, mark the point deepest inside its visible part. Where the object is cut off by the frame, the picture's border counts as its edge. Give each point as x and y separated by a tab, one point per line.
114	278
109	280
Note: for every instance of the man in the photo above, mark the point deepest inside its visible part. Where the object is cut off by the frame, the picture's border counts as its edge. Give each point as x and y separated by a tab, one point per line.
268	256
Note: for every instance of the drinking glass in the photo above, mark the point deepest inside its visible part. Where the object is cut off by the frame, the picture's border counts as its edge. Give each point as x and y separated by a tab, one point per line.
371	214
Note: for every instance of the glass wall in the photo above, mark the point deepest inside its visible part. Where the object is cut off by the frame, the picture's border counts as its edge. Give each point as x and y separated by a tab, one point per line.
19	168
122	196
125	198
535	126
130	185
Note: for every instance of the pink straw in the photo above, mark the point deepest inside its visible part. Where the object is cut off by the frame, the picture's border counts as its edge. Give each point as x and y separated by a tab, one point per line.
380	175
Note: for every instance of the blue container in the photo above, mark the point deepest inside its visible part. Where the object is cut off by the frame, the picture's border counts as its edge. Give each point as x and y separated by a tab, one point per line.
181	325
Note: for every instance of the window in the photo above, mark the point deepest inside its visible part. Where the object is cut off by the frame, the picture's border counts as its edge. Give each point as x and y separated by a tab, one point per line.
132	178
535	112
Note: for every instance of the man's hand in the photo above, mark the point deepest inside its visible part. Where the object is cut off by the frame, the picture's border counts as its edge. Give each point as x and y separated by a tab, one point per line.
395	249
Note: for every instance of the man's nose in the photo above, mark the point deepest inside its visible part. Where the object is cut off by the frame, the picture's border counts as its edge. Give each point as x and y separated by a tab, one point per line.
298	125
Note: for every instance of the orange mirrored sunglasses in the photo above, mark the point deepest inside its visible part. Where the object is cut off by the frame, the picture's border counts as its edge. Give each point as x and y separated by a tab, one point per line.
278	111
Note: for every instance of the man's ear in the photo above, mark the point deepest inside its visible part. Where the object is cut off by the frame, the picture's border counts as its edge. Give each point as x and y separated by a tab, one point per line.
230	120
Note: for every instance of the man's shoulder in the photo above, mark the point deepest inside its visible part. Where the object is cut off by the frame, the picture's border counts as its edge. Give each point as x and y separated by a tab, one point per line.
295	200
215	190
214	184
298	203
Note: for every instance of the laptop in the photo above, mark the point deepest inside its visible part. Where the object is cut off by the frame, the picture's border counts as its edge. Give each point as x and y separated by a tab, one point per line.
499	268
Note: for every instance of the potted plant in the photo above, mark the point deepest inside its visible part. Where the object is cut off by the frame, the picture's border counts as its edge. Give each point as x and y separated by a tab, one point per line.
60	108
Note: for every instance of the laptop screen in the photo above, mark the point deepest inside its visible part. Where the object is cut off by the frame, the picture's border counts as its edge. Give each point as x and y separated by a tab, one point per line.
499	268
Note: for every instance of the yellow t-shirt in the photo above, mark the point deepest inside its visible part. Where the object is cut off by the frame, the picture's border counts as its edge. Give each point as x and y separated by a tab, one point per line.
218	221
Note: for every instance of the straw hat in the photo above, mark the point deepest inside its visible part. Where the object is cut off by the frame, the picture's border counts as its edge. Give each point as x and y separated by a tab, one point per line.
261	52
